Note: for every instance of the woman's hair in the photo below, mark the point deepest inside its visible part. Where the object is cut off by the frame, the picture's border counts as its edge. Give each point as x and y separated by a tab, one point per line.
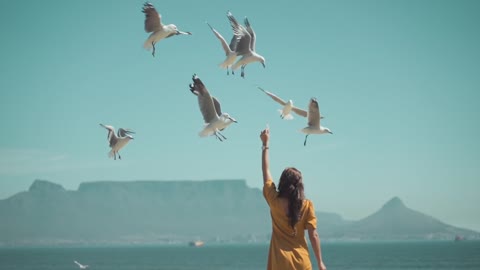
290	187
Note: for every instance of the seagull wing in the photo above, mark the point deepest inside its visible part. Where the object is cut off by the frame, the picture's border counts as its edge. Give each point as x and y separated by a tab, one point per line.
122	132
216	103
112	138
273	96
299	111
252	34
111	130
233	43
241	34
153	20
243	45
313	114
205	101
225	46
77	263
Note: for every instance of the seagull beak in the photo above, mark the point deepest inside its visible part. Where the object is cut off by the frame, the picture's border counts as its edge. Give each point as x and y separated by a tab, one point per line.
233	120
183	33
263	64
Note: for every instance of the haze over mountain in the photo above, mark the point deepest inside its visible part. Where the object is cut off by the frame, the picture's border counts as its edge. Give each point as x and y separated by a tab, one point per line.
181	211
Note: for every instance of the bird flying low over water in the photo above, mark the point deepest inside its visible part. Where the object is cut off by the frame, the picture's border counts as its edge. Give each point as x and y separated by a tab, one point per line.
246	44
215	120
228	48
81	266
285	112
117	141
313	126
154	25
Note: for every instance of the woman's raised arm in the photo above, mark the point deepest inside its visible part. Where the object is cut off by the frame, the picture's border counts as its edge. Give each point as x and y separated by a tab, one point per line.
265	137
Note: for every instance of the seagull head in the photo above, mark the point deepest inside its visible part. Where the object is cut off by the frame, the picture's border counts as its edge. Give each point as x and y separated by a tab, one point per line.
227	116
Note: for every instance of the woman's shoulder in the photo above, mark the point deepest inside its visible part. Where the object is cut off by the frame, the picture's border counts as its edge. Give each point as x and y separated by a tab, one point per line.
307	203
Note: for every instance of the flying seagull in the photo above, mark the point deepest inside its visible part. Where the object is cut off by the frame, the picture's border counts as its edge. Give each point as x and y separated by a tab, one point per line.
229	49
117	141
246	44
287	106
81	266
215	120
314	126
154	25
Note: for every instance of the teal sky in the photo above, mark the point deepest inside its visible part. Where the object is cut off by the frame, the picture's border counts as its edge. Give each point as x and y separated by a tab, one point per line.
397	81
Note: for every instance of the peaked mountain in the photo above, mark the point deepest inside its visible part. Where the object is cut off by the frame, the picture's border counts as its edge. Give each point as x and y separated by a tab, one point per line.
396	221
110	212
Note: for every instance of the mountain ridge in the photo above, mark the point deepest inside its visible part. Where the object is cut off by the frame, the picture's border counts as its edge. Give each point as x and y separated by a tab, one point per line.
149	211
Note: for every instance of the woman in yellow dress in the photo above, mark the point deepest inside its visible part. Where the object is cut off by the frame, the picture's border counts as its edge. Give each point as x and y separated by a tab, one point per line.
291	215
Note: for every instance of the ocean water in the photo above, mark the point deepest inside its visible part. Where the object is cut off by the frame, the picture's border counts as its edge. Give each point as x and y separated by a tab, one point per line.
402	255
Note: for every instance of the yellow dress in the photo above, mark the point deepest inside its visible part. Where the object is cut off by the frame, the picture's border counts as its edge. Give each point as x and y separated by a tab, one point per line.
288	246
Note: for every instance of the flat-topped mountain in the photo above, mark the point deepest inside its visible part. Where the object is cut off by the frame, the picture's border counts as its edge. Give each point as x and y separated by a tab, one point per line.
152	211
179	211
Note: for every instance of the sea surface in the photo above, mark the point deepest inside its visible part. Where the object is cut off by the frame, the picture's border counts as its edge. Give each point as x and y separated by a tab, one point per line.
399	255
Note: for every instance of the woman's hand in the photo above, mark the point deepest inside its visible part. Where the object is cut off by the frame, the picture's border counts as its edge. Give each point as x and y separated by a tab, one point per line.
265	136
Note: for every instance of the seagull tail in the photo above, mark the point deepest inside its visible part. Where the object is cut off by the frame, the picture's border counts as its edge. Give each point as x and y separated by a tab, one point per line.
224	65
305	130
147	45
205	132
111	154
229	61
288	116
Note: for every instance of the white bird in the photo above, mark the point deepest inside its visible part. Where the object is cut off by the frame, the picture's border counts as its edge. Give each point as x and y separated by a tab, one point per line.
117	141
81	265
215	120
246	44
285	112
153	24
314	126
229	49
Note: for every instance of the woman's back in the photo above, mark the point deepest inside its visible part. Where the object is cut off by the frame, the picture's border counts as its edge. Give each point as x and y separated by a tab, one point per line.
288	247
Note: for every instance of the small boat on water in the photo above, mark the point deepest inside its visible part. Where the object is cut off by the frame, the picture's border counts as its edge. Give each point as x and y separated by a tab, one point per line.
196	243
